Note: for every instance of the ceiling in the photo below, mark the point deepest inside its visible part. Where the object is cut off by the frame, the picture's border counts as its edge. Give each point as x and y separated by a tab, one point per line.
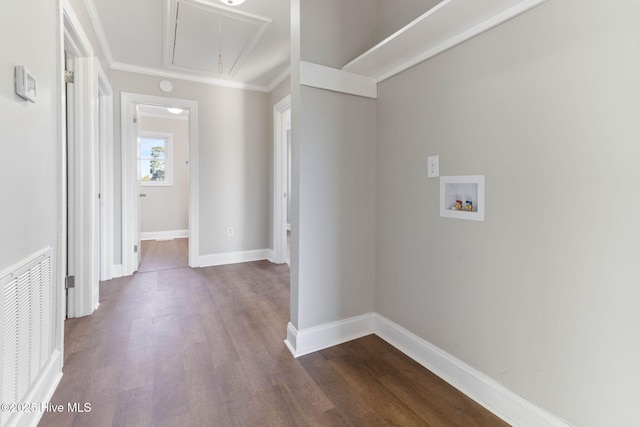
184	39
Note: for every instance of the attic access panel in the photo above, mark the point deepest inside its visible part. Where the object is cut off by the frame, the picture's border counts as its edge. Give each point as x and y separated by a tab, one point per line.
198	31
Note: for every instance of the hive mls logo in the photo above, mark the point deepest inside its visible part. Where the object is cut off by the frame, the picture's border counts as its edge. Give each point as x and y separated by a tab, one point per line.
78	407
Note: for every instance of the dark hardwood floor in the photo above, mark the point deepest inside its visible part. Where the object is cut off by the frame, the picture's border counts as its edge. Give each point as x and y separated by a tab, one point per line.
164	255
204	347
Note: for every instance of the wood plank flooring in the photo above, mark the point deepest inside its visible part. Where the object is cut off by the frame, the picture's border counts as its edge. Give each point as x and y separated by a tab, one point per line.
204	347
164	255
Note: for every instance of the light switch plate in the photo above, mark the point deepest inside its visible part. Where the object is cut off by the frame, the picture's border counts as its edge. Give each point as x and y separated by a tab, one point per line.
433	166
25	84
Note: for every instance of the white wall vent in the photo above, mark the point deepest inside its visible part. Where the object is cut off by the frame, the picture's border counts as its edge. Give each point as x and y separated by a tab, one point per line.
27	326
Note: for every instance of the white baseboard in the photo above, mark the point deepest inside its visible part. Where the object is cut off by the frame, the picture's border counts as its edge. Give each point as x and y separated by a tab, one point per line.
116	271
40	393
164	235
212	260
271	255
487	392
290	342
496	398
317	338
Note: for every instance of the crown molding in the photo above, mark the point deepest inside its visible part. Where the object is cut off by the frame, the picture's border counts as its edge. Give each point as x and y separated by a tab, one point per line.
446	25
97	26
274	84
106	49
197	79
74	33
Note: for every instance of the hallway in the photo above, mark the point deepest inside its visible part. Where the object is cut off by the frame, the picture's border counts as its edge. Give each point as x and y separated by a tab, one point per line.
204	347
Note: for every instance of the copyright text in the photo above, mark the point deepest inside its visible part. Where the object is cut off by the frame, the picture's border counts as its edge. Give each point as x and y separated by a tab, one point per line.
75	407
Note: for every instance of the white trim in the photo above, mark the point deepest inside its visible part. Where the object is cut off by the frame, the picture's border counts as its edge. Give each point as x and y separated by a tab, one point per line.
270	256
274	84
116	271
182	76
129	198
496	398
170	27
83	161
487	392
212	260
322	77
309	340
106	185
60	298
201	79
456	21
164	235
291	340
97	26
279	181
74	32
86	186
40	393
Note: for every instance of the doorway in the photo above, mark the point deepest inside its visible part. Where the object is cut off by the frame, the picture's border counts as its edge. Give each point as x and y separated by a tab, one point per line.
163	175
282	180
88	197
146	170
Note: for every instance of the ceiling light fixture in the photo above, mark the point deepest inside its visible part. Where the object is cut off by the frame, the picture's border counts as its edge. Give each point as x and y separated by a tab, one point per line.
232	2
175	110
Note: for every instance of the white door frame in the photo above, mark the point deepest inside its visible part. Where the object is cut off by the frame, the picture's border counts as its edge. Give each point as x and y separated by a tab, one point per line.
84	134
107	191
130	212
280	181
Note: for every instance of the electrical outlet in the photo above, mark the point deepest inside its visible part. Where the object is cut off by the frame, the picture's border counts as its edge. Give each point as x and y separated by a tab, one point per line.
433	166
229	231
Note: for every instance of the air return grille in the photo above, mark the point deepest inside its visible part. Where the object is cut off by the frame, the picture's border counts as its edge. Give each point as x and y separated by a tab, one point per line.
27	326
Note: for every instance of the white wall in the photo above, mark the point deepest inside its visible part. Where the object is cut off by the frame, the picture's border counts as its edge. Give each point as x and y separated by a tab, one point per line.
394	14
335	32
234	145
543	295
166	208
28	164
333	171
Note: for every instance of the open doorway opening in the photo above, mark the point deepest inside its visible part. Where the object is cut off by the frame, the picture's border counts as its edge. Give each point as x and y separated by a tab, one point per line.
159	175
282	180
163	175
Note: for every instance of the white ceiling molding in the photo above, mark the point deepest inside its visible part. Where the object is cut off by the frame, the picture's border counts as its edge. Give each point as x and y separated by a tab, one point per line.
446	25
74	33
186	28
322	77
189	77
274	84
97	26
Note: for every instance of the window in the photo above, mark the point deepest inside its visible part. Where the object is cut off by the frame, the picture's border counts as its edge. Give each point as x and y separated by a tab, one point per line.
154	159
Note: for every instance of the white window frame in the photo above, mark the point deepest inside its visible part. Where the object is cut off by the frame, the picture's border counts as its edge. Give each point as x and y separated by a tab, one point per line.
168	172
